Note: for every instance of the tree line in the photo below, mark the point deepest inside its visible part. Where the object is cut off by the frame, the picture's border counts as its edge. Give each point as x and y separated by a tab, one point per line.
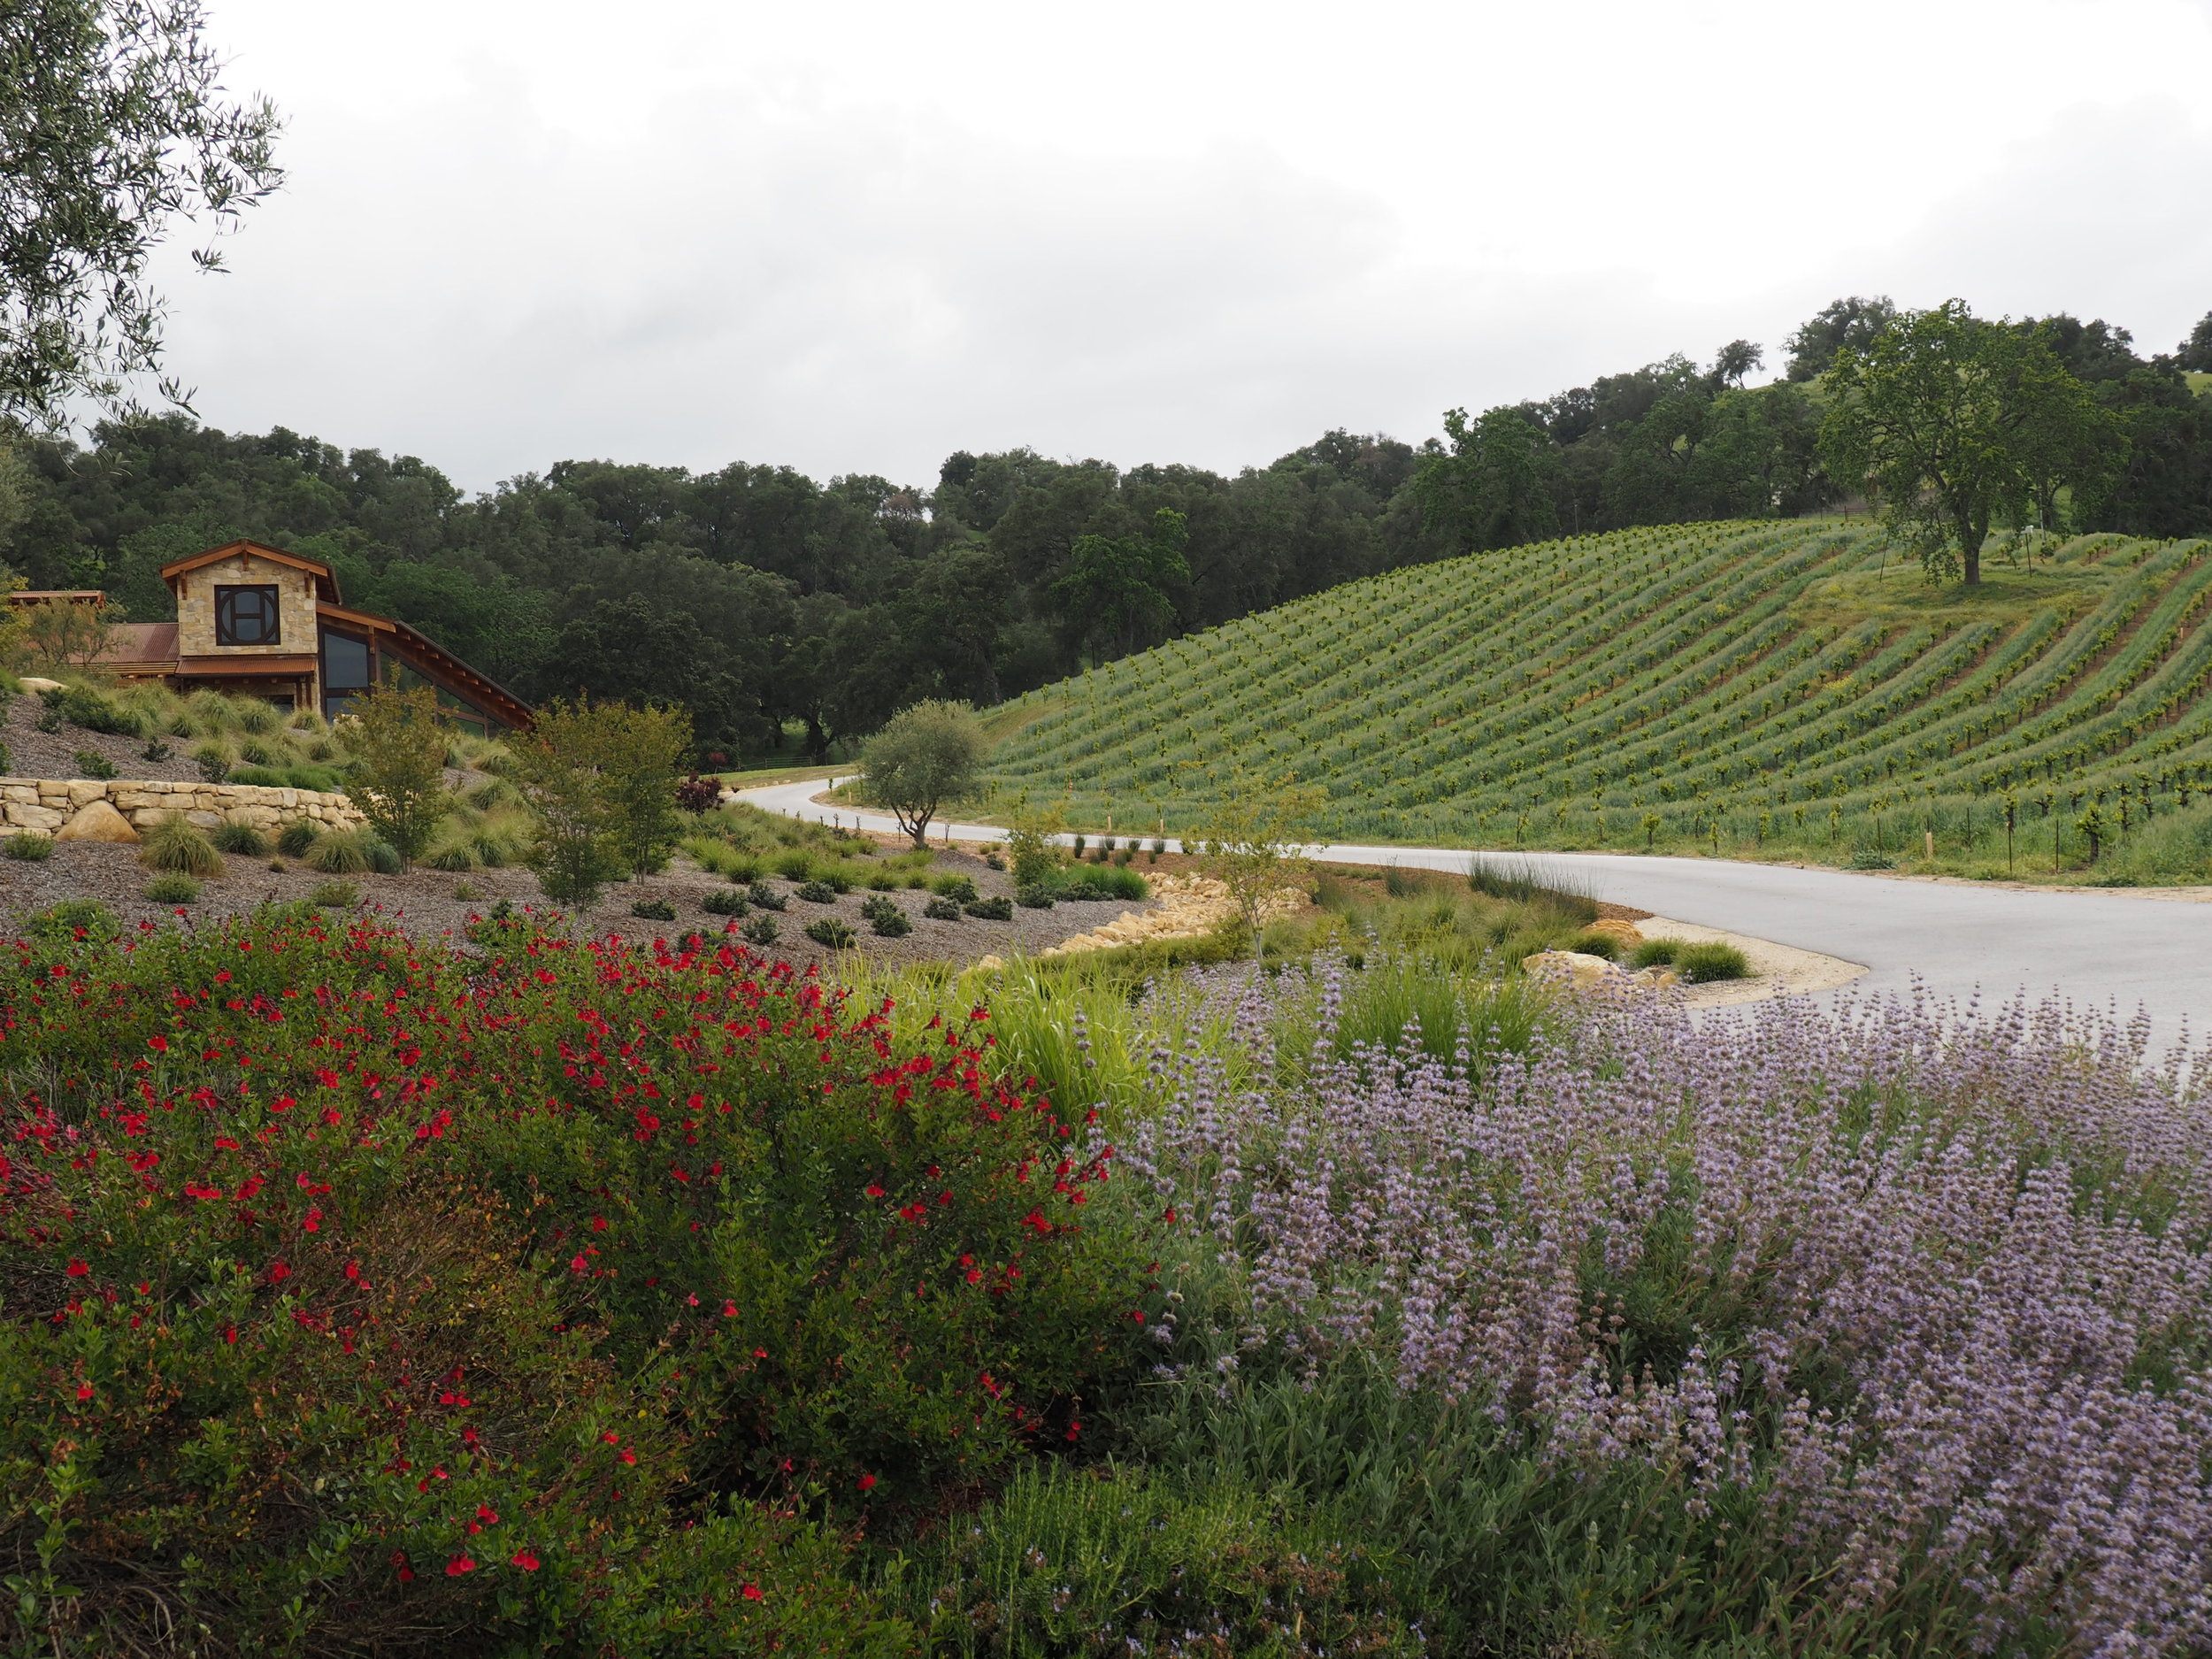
762	599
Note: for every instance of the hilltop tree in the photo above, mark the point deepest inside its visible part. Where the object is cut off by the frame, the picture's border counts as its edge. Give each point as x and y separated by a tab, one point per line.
1844	325
1957	424
1118	590
1494	486
2196	351
1736	360
113	122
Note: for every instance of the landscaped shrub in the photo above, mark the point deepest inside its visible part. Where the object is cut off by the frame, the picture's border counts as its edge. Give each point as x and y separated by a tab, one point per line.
173	889
818	893
92	763
78	921
830	932
1034	896
726	901
337	853
253	752
96	711
213	762
942	910
998	908
1656	952
295	837
7	760
156	750
696	795
654	911
959	889
764	897
796	865
398	741
1703	963
1103	883
382	856
173	843
335	896
1594	945
887	918
761	930
1066	1561
235	835
27	847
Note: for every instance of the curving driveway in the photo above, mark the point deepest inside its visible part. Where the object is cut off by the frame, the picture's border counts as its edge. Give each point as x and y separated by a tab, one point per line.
2123	950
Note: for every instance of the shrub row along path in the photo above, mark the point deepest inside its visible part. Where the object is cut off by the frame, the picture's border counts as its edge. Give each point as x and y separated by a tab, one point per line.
2126	949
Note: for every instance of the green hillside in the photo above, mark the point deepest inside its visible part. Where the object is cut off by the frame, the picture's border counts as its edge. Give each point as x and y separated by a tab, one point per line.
1775	686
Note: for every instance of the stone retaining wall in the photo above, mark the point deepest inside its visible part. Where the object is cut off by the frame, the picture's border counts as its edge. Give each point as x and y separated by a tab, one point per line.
49	804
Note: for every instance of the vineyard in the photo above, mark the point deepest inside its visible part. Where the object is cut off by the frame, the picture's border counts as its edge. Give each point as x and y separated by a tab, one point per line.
1776	688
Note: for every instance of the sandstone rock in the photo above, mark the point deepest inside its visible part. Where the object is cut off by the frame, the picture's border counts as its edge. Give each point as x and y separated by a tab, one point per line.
82	791
1627	933
35	682
97	821
23	814
1658	977
991	963
1570	967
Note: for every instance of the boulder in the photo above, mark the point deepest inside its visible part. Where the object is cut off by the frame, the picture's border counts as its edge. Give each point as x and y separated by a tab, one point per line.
1657	977
33	682
97	821
1570	967
1626	933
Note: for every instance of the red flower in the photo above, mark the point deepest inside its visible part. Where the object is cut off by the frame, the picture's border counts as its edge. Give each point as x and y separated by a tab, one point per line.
874	1191
867	1481
487	1515
84	1391
752	1592
76	1270
278	1272
458	1565
524	1560
160	1045
629	1454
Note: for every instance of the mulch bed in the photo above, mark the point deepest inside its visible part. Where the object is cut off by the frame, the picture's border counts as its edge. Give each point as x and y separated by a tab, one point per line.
35	754
426	903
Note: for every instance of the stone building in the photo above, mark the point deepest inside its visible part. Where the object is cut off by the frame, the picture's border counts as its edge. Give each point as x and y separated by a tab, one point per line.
259	621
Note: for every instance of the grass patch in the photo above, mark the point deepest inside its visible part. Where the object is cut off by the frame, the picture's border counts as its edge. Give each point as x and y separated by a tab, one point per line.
174	843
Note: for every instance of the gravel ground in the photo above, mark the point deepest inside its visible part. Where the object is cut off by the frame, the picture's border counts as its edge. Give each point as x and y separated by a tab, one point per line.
35	754
423	902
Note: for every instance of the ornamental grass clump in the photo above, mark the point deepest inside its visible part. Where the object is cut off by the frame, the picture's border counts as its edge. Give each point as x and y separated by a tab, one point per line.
173	843
1873	1329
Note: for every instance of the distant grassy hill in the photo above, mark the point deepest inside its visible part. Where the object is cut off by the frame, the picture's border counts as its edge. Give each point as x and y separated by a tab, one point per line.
1792	689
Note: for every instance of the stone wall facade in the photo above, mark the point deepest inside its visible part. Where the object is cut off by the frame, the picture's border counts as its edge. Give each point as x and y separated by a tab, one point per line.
296	630
48	804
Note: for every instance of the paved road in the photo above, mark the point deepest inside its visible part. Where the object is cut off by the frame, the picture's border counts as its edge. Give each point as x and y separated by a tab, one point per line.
2119	949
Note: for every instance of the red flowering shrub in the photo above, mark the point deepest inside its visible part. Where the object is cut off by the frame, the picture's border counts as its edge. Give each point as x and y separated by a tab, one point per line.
352	1287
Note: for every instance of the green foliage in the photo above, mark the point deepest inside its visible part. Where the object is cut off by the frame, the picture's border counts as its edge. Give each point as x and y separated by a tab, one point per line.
764	897
654	911
173	843
942	910
78	921
996	908
886	919
1656	952
817	892
335	896
134	131
959	889
27	847
578	847
1035	895
1705	963
95	710
295	837
725	901
830	932
1596	945
1120	590
212	761
1958	424
762	931
92	763
173	889
235	835
1069	1560
925	755
398	741
337	852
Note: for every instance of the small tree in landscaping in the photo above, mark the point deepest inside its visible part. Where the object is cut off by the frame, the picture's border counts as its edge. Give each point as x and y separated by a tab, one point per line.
641	754
398	741
1255	839
1030	848
576	851
64	634
926	755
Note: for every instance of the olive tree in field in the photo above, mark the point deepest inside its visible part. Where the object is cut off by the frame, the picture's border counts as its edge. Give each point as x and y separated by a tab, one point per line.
924	757
113	122
1957	424
1254	837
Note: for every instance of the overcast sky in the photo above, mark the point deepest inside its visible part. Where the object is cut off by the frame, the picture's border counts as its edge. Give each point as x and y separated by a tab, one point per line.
855	238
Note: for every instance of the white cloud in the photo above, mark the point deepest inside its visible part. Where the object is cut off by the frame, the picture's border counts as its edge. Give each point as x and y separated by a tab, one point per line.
855	238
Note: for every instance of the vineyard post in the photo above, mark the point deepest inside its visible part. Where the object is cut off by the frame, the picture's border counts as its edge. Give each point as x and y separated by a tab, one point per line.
2012	811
